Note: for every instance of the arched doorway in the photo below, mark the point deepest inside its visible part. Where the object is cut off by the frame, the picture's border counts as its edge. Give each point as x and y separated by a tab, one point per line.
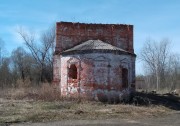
73	87
72	72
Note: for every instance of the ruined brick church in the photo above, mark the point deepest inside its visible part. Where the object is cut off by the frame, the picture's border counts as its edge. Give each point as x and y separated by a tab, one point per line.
94	60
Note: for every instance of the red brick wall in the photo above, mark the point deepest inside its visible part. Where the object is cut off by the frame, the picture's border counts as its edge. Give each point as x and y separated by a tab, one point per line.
69	34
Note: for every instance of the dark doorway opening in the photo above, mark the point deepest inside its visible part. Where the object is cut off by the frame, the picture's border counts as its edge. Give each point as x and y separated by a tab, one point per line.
72	72
124	78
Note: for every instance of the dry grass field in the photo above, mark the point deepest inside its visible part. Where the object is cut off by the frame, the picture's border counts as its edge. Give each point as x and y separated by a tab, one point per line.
44	104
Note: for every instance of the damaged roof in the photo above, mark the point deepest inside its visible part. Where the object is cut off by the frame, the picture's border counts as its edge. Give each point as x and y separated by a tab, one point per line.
94	45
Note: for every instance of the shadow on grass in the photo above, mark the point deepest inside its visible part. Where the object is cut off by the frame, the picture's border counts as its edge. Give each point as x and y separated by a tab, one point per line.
168	100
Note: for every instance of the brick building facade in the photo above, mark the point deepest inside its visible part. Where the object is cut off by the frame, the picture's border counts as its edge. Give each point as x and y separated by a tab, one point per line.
94	60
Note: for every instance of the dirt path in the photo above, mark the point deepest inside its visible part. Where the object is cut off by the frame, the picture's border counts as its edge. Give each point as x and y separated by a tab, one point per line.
172	119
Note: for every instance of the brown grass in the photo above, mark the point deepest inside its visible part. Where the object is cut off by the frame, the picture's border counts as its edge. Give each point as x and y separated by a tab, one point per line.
46	93
13	111
44	103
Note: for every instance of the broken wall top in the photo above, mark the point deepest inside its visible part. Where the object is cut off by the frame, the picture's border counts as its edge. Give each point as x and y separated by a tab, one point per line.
70	34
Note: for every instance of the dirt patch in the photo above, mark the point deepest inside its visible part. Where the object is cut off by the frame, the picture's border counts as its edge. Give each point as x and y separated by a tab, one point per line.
170	120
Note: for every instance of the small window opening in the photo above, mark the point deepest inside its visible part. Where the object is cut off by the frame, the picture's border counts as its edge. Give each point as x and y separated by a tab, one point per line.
73	72
124	77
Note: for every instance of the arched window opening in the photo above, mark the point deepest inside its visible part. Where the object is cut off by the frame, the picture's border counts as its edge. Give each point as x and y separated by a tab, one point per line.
72	72
124	78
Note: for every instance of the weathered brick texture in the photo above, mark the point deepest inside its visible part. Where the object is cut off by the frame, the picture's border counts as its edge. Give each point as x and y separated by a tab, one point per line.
70	34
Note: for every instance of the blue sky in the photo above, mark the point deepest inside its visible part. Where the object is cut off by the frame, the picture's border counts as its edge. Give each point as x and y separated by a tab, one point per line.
156	19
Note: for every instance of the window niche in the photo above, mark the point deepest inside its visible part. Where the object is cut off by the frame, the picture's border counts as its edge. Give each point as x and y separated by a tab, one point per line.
72	71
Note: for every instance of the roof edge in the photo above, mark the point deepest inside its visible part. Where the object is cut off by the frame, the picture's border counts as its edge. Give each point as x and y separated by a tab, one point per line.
118	52
73	23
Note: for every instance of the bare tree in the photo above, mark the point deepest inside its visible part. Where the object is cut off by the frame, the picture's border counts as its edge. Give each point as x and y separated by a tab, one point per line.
18	57
41	52
173	72
5	73
22	62
155	56
48	42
